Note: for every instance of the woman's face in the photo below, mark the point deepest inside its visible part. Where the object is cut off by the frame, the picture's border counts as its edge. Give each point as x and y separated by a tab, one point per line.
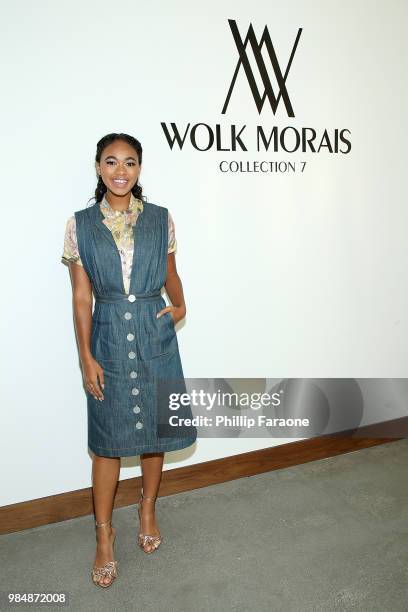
119	167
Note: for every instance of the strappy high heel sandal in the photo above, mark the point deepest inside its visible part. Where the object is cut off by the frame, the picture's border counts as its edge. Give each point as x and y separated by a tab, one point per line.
144	538
109	569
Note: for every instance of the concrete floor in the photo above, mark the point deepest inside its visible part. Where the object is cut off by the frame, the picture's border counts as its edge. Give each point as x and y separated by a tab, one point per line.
327	535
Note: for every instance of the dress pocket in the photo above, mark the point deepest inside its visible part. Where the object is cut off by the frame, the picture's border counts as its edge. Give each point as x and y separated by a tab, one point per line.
162	340
105	345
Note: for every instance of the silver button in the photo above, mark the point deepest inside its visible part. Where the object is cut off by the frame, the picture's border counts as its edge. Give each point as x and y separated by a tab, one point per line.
139	425
135	391
131	297
132	355
136	409
128	315
133	374
130	337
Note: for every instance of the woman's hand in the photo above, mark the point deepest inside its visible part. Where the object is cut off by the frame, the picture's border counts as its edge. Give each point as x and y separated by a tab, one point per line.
177	312
92	371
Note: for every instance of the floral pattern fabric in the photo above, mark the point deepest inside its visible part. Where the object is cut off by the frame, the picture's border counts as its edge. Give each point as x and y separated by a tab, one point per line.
120	224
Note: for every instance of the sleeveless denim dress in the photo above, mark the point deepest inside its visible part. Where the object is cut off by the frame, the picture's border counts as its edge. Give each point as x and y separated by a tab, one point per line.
135	349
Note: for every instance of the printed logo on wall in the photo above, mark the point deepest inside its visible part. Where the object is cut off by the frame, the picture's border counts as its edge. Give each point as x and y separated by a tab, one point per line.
203	136
257	51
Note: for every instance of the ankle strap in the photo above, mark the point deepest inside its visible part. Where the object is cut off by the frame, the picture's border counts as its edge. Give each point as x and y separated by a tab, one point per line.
106	523
145	497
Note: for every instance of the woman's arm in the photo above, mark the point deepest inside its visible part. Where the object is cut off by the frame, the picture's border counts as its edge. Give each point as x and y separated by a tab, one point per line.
82	307
174	290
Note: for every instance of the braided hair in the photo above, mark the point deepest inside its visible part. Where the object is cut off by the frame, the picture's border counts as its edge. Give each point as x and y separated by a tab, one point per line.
104	142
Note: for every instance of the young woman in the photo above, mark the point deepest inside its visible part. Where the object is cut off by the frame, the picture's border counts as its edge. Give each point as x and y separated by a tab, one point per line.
122	249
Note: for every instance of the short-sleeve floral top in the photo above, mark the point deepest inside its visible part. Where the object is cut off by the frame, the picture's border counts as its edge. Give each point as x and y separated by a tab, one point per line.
120	224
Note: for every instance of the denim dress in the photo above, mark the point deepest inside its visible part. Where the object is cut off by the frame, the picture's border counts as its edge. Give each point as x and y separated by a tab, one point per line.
138	352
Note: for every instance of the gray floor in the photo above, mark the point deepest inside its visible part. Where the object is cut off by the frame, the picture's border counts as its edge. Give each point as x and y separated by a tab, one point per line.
327	535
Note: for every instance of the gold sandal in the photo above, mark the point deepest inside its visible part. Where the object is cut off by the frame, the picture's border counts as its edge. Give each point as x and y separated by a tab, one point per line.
109	569
144	538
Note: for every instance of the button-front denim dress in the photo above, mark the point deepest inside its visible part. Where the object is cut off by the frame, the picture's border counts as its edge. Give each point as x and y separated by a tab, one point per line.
135	349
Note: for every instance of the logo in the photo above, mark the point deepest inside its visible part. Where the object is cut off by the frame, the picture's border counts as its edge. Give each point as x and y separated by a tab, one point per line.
267	138
257	51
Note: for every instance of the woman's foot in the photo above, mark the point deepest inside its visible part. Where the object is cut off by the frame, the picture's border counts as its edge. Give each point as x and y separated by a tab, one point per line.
105	537
149	536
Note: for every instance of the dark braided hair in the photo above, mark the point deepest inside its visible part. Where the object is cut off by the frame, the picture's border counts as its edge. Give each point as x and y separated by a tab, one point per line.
104	142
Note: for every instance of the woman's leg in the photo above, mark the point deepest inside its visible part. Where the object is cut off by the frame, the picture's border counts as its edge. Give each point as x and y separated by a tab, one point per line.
105	475
152	465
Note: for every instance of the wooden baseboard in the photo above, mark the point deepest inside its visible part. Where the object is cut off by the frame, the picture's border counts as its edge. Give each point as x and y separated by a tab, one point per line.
73	504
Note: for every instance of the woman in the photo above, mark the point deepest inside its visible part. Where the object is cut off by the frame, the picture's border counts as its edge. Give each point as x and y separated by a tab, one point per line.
122	249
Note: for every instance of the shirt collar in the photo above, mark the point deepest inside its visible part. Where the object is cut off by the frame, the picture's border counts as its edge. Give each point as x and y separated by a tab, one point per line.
130	214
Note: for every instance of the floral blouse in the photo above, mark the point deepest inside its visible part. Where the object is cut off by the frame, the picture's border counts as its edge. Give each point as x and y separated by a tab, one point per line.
120	224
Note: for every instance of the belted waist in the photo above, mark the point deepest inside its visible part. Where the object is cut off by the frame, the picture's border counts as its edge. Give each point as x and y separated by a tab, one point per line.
131	297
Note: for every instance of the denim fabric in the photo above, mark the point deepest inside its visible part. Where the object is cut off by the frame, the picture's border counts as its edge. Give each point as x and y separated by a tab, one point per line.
134	348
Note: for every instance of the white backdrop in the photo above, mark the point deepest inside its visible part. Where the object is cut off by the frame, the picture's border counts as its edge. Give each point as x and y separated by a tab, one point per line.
284	274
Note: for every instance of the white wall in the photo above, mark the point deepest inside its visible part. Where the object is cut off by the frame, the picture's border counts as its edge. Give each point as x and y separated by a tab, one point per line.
291	275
